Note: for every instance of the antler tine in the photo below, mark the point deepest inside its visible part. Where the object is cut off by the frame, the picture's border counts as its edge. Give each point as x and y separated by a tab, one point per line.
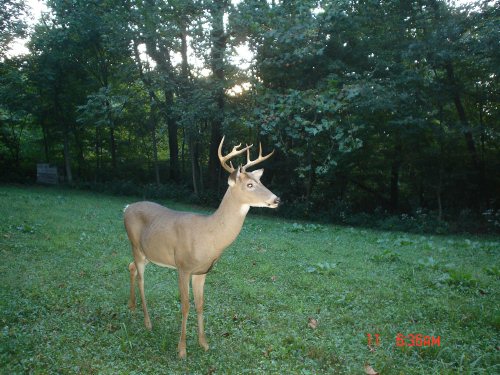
234	152
258	160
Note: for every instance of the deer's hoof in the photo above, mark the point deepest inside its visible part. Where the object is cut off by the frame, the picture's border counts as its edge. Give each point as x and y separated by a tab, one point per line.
204	344
148	324
182	353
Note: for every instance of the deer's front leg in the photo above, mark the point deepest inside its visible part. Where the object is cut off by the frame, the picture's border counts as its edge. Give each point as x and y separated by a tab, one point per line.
184	292
133	274
198	285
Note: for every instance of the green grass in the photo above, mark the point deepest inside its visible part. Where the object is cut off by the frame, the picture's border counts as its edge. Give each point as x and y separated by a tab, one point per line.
65	283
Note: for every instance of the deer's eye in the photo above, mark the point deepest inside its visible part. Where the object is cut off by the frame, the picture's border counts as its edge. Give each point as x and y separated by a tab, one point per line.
249	185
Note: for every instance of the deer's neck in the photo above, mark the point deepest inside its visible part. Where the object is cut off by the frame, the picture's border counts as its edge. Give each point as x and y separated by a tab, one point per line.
228	220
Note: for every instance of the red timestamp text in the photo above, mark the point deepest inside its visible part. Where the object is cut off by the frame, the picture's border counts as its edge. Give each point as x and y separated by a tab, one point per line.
413	339
417	339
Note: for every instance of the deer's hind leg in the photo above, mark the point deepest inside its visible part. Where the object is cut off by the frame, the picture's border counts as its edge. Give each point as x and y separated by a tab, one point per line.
136	269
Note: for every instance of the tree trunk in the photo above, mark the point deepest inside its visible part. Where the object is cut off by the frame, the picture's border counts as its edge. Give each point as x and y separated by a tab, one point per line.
213	161
195	167
469	139
153	119
66	146
395	169
67	156
183	153
439	193
184	60
152	122
173	143
81	153
442	156
311	175
113	147
161	55
97	154
218	38
45	131
184	88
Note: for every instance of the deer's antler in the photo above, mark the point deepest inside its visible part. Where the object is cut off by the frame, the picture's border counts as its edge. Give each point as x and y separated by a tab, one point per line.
258	160
232	154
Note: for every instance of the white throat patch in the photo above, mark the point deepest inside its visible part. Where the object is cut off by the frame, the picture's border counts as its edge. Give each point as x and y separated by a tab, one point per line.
244	209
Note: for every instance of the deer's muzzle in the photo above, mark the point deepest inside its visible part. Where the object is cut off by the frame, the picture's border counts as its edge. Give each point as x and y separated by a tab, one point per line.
274	203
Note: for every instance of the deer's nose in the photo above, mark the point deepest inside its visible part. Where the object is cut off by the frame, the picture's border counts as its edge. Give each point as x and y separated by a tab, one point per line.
277	201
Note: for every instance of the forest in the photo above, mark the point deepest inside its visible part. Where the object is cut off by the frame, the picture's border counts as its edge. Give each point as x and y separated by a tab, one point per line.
378	110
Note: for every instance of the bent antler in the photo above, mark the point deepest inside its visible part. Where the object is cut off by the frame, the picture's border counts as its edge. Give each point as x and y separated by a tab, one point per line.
232	154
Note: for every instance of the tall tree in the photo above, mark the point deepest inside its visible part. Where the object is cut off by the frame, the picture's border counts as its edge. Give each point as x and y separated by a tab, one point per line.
12	23
59	81
158	32
15	119
218	39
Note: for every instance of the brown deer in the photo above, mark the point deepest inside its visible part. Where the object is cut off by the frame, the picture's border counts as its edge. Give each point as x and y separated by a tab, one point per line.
191	242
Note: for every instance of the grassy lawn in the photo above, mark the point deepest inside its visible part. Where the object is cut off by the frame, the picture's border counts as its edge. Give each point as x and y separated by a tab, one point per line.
284	298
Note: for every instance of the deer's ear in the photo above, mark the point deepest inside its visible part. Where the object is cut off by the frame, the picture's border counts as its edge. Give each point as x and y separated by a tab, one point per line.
233	177
258	174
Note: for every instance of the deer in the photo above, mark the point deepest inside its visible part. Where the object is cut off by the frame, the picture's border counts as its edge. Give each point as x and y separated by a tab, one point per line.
192	242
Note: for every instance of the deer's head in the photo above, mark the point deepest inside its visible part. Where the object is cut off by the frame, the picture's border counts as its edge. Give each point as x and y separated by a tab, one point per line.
246	185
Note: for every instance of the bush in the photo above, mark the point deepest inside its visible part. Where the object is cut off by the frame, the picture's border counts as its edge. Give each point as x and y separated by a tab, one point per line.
338	212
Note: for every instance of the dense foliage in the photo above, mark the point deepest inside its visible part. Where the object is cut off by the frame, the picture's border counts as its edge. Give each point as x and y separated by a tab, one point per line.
372	106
